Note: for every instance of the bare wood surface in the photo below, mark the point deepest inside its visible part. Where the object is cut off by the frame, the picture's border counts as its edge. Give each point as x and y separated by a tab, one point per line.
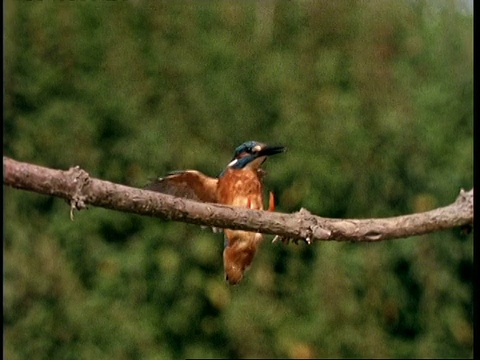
79	189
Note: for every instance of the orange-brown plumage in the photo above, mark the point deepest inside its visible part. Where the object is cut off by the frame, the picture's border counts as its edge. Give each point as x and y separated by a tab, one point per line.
241	185
242	188
190	184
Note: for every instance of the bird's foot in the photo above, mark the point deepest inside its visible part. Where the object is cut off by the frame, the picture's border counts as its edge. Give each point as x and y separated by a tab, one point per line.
214	229
286	240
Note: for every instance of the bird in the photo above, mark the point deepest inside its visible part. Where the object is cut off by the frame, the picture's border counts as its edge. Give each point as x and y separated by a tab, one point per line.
239	184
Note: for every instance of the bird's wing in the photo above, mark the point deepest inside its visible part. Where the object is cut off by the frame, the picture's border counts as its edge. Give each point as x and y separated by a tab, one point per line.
190	184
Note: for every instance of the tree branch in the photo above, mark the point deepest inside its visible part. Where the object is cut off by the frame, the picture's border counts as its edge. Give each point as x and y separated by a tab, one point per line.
79	189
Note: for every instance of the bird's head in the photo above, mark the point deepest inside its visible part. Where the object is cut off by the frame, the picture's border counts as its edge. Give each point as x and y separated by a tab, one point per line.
252	154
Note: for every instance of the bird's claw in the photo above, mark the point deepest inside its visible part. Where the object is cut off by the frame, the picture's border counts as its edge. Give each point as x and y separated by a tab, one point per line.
286	240
283	239
214	229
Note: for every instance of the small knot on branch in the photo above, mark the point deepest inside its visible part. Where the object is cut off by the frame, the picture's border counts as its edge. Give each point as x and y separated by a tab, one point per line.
465	196
309	230
321	233
79	178
373	236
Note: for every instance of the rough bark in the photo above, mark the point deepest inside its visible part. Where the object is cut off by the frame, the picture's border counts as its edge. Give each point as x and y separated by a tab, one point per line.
80	190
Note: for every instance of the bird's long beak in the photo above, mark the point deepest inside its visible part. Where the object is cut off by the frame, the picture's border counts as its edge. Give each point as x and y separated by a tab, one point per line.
271	150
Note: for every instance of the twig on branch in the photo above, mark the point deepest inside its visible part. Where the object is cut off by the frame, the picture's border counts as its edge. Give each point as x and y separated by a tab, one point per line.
79	189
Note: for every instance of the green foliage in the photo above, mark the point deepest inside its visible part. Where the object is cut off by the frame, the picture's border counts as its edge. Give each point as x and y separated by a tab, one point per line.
374	101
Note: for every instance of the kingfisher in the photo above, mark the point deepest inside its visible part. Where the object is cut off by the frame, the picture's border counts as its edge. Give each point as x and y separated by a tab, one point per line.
239	184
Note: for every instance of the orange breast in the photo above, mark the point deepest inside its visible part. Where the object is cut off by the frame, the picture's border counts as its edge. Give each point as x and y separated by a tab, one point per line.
240	188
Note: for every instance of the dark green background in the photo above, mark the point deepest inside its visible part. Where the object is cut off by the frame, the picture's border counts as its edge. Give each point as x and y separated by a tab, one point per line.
374	100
